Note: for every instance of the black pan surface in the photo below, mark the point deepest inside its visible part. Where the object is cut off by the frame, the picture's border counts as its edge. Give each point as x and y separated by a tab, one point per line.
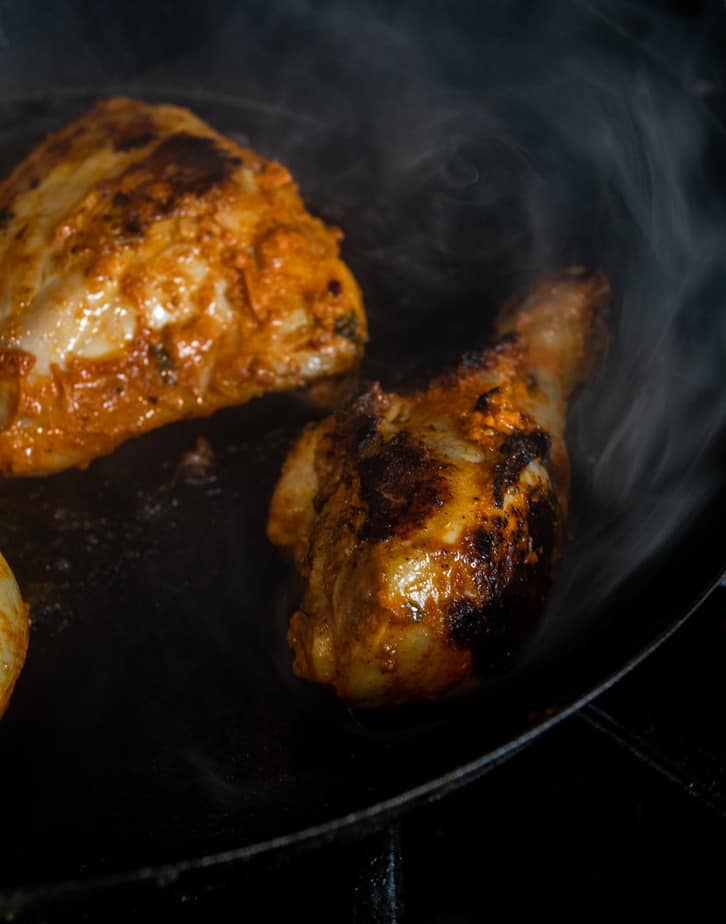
157	725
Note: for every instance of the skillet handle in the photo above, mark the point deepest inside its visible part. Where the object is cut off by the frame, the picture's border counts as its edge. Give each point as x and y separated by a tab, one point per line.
378	892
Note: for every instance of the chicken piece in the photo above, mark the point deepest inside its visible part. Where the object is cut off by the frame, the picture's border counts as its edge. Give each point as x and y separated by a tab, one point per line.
13	633
425	528
150	270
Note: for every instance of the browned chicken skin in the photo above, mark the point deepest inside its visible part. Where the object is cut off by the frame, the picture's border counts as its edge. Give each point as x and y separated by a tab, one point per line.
425	528
151	269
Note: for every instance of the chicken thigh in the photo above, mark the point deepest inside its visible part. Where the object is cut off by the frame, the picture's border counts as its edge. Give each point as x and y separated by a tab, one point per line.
150	270
425	528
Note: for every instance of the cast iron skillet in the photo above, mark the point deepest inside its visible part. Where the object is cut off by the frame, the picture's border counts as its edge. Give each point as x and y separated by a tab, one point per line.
157	729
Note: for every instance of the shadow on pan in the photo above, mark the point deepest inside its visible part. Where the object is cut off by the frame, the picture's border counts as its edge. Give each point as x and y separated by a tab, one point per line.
157	728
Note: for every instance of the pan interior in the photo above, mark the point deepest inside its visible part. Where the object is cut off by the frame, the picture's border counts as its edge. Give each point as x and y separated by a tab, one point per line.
157	717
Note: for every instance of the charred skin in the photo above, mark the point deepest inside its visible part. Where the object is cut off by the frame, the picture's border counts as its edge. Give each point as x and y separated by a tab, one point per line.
151	270
426	528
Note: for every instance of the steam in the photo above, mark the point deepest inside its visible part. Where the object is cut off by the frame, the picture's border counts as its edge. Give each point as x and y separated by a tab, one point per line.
484	148
464	149
470	153
646	432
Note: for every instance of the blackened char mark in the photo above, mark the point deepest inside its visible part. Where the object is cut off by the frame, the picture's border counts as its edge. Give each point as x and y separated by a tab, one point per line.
183	165
518	450
484	399
495	633
497	625
467	622
401	483
6	216
492	639
520	604
192	164
488	546
484	543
